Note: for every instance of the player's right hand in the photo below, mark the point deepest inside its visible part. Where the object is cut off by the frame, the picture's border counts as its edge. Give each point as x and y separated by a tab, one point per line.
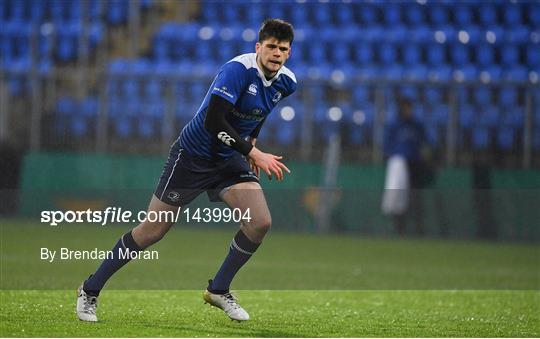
268	163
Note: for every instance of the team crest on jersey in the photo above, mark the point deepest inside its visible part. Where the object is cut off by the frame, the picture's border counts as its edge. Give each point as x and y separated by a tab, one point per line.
252	89
277	97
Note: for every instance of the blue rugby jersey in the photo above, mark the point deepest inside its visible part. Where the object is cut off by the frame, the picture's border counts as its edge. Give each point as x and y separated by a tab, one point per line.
242	83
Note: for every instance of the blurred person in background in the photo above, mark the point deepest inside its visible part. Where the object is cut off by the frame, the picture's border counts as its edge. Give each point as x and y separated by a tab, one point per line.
407	171
216	153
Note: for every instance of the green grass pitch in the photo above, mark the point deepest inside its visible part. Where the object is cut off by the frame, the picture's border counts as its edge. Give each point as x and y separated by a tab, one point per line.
295	286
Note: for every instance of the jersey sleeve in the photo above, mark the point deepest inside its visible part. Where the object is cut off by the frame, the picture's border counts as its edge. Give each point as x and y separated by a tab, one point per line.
291	88
231	81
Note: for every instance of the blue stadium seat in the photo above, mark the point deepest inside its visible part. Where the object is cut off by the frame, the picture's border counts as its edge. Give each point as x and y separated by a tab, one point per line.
155	109
391	14
392	72
152	89
343	15
119	66
516	73
316	54
459	54
463	14
356	135
414	15
511	15
287	132
96	9
506	138
419	112
420	34
209	12
396	34
360	94
436	55
433	134
66	106
331	35
339	54
481	138
533	13
433	95
373	33
67	42
518	34
408	91
130	88
368	14
197	90
483	96
320	14
440	114
438	14
487	14
147	127
252	14
507	97
363	53
117	11
387	54
229	14
414	69
533	56
466	116
391	114
225	51
95	34
465	72
490	73
485	55
513	117
299	15
488	116
274	10
89	107
203	51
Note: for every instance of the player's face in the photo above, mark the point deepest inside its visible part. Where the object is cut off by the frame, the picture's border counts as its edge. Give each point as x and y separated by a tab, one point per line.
272	54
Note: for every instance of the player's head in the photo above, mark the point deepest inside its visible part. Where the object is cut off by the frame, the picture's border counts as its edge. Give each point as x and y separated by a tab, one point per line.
274	45
405	108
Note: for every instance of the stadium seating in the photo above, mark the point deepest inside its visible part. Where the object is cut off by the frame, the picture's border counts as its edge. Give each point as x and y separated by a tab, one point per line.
442	41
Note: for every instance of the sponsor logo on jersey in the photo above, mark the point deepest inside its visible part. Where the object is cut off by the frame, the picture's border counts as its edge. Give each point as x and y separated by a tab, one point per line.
223	90
250	116
173	196
256	111
252	89
277	97
227	139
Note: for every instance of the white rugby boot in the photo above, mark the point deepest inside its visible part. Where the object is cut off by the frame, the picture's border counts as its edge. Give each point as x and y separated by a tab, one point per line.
228	303
86	305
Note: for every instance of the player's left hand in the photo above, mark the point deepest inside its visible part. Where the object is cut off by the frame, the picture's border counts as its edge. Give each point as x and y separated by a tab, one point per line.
254	167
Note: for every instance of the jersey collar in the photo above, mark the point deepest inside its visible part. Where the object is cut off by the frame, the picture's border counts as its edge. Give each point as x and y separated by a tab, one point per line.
265	82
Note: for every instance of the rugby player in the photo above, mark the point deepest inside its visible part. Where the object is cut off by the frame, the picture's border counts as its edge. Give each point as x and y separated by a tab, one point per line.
216	153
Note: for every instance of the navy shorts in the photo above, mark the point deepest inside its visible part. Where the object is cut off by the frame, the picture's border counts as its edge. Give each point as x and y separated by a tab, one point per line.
185	176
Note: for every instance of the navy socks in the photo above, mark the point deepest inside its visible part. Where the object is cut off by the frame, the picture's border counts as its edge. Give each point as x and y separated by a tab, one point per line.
240	251
109	266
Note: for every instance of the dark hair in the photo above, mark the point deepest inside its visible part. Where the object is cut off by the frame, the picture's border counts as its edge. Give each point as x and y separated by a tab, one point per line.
276	28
